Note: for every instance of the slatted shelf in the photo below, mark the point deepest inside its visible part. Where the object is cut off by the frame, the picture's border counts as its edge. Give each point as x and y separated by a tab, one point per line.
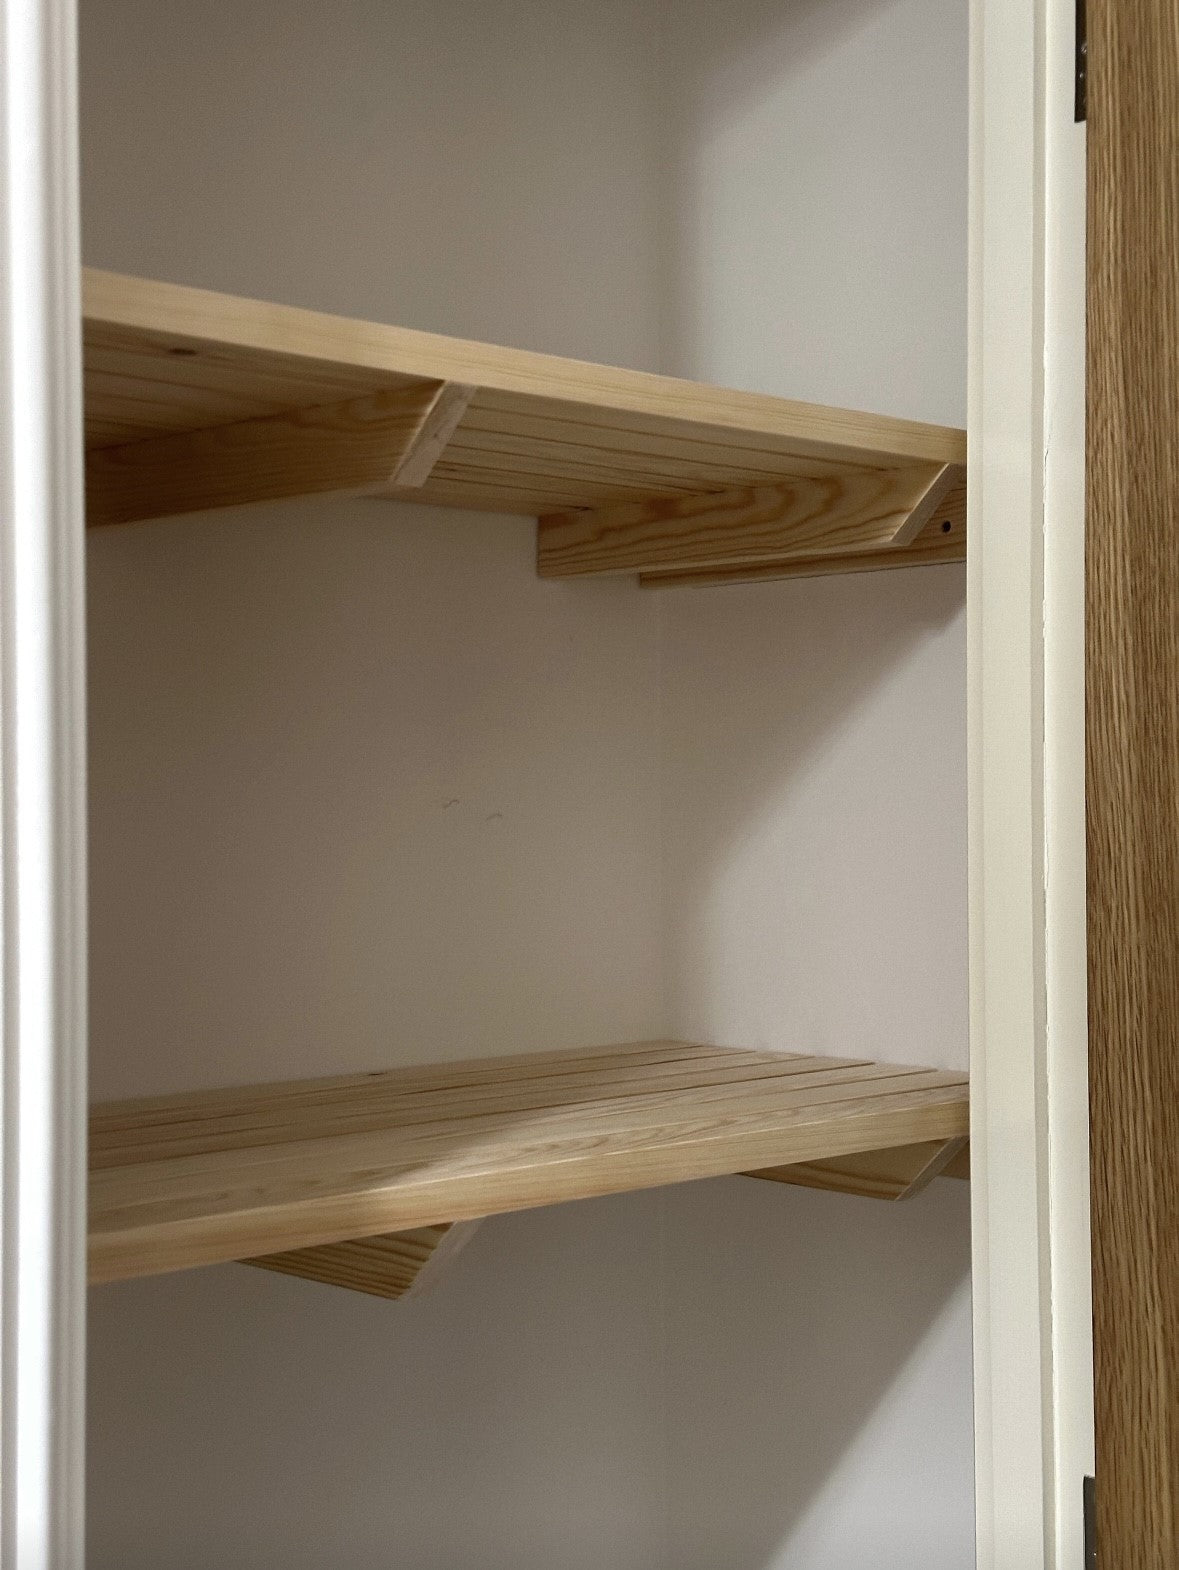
295	1169
197	400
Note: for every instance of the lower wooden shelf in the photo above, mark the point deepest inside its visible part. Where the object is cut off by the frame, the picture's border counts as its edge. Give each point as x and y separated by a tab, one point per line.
355	1180
393	1265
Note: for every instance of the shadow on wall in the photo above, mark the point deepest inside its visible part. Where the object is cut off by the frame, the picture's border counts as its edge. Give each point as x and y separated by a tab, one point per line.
815	816
819	1371
387	798
511	1417
814	226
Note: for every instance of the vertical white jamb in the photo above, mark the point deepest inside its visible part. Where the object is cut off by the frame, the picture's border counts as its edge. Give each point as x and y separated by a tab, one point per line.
42	796
1065	947
1029	1152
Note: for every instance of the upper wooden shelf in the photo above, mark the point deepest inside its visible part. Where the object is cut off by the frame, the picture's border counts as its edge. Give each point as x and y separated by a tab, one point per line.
307	1171
198	400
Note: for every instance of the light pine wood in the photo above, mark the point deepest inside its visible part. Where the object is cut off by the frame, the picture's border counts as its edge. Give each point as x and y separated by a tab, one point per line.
946	485
253	349
430	440
859	511
345	448
1132	769
941	540
959	1165
391	437
404	1264
899	1173
197	1179
196	400
401	1264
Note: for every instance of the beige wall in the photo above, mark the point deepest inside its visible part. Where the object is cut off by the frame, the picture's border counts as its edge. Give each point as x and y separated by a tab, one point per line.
364	791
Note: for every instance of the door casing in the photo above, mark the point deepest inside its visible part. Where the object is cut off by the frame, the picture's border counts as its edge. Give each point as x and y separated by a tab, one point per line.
1132	658
1029	1144
42	797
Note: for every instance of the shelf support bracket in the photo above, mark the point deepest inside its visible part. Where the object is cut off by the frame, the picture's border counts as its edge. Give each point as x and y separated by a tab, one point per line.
394	436
855	513
898	1173
397	1264
942	539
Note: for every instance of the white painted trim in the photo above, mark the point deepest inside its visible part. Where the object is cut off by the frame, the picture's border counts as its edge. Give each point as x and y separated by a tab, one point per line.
1029	1152
42	796
1065	952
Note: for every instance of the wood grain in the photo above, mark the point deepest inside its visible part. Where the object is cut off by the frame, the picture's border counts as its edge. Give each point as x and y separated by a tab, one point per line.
180	385
255	346
430	440
344	448
400	1264
941	541
1132	635
860	510
929	509
899	1173
189	1180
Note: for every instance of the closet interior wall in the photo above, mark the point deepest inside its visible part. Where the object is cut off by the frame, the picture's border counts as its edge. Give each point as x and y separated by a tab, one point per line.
365	792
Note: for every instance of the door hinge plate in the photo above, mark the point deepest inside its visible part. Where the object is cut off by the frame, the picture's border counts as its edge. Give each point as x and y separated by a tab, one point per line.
1089	1496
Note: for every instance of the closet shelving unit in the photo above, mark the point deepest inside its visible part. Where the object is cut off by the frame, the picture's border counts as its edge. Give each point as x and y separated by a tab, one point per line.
196	400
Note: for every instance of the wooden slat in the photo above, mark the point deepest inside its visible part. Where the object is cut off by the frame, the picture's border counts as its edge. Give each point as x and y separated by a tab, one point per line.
942	540
231	1175
1132	772
582	456
860	510
383	1104
340	447
401	1264
299	1108
147	382
198	400
328	1157
404	1264
254	339
899	1173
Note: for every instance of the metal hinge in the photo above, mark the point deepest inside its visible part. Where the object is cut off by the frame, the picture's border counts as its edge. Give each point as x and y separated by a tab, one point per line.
1081	89
1089	1496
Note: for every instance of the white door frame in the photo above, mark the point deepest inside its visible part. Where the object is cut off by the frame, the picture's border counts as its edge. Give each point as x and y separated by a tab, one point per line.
1029	1079
42	797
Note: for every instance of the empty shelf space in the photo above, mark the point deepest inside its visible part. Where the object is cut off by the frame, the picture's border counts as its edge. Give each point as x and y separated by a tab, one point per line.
198	400
203	1178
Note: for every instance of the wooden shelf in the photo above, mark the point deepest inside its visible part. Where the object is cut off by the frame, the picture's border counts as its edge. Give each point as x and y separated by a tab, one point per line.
295	1169
197	400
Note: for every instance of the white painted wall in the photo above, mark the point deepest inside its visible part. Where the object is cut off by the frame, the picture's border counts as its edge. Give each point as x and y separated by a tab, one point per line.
366	792
815	797
814	212
819	1403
